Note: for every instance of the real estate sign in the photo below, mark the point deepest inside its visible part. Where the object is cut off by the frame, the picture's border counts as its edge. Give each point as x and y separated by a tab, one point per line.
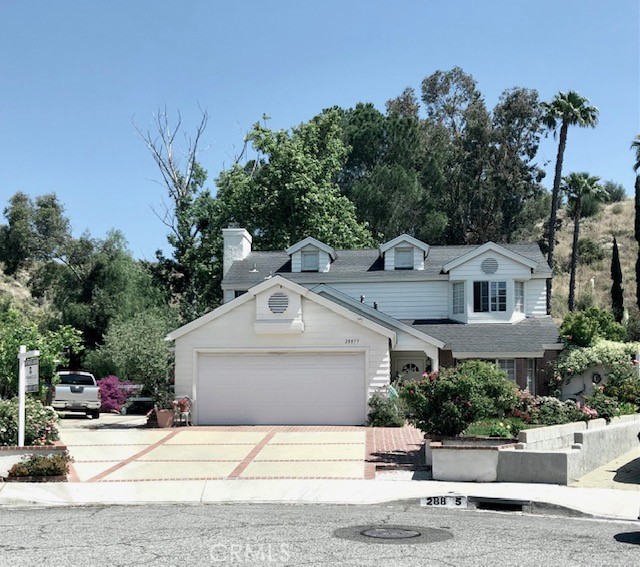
32	368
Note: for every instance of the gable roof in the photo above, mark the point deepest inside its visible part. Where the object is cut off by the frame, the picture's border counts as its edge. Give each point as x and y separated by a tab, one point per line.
493	247
530	337
404	238
364	265
313	242
279	281
375	315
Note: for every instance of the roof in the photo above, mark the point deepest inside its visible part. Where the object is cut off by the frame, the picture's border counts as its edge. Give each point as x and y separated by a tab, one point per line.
280	282
373	314
357	265
310	241
404	238
533	335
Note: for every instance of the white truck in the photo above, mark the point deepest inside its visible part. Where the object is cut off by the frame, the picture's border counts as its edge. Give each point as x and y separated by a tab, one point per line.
76	391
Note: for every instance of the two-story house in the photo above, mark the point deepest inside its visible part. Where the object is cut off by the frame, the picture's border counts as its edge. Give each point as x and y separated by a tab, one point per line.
306	335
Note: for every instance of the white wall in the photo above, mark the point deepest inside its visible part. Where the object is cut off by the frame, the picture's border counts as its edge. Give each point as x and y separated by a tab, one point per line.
322	329
402	300
535	294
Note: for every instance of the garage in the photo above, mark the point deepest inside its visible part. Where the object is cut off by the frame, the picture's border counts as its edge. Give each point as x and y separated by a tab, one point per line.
281	388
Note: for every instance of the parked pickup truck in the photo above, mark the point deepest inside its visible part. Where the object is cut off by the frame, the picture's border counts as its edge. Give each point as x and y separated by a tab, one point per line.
76	391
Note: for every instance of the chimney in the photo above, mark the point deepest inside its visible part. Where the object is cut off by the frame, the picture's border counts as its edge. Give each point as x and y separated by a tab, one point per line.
237	246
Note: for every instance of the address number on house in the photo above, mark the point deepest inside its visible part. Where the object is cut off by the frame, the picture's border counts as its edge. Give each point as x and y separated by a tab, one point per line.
351	341
449	501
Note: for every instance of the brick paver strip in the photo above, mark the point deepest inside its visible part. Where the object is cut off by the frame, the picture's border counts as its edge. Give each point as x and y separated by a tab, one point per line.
252	455
133	458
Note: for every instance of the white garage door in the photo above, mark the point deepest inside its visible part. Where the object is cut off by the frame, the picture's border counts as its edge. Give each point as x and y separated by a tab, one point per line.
285	389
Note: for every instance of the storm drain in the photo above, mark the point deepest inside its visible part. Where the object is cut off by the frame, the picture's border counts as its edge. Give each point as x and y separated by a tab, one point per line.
393	534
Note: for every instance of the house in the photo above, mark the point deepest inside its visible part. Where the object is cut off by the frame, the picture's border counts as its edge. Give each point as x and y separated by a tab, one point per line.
306	335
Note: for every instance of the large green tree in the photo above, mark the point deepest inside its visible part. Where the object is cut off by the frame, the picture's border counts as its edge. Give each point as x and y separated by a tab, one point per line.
35	230
577	186
289	192
566	109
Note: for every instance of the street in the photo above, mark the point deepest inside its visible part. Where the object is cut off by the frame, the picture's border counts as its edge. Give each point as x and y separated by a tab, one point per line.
298	534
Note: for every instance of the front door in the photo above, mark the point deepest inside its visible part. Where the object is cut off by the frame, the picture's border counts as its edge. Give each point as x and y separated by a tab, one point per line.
410	367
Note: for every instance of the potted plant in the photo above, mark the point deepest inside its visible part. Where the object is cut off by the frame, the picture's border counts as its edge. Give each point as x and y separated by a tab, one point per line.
163	412
41	468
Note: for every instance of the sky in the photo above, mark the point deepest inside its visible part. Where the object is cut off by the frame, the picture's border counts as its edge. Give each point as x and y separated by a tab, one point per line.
76	77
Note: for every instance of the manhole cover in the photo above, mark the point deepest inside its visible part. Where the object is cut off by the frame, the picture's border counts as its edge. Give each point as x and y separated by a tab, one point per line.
407	535
390	533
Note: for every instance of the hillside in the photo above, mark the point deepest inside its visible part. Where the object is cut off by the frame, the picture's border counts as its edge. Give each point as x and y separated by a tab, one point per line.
615	219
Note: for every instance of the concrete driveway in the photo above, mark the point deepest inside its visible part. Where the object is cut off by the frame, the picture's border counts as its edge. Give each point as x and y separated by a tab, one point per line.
119	448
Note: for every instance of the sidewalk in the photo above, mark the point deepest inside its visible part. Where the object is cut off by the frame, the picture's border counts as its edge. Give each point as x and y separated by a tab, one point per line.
602	503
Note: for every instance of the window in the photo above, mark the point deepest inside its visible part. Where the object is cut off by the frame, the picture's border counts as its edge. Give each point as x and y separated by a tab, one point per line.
509	366
489	296
519	297
458	298
531	375
404	259
239	292
310	261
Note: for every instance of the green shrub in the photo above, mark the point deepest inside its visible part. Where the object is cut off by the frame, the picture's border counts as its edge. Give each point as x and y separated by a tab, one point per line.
40	423
589	251
615	192
582	328
447	402
617	209
507	427
42	465
384	412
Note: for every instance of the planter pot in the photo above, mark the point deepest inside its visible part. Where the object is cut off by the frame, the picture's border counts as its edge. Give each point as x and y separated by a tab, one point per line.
164	417
58	478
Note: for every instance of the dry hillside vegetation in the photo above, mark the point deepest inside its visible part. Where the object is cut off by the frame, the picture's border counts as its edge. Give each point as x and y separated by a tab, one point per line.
593	280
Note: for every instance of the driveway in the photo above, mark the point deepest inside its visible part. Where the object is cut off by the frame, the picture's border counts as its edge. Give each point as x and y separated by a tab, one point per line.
119	448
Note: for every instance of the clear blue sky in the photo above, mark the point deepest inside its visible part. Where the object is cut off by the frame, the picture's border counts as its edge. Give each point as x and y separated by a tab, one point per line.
74	74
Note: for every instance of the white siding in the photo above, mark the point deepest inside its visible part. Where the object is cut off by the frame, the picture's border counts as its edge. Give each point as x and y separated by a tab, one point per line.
228	295
324	329
402	300
324	260
535	297
418	258
390	257
507	269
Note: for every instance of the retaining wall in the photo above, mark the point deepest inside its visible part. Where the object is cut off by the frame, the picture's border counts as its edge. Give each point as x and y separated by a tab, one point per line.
558	454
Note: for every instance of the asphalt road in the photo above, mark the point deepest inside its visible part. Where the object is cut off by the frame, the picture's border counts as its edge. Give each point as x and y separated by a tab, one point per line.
257	534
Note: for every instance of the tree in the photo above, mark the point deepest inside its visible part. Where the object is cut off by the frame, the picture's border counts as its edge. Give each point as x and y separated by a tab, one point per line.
635	145
35	231
290	192
16	330
135	349
578	186
617	297
566	109
190	272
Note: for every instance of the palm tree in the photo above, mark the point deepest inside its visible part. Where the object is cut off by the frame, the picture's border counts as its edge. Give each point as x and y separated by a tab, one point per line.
570	109
577	186
636	167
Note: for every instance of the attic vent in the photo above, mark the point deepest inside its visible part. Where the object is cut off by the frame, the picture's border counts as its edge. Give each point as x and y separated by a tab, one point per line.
278	303
489	266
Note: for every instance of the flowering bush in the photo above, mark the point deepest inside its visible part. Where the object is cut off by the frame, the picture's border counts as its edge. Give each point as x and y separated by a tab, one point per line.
112	395
447	402
40	424
548	410
606	406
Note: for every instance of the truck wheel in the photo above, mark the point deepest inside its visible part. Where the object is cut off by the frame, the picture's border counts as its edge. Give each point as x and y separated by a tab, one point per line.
95	414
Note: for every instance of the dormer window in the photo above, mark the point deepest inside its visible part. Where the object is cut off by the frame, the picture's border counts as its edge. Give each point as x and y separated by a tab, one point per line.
310	261
404	258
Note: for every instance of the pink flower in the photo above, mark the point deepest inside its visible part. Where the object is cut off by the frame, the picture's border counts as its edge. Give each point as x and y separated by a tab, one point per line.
468	404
